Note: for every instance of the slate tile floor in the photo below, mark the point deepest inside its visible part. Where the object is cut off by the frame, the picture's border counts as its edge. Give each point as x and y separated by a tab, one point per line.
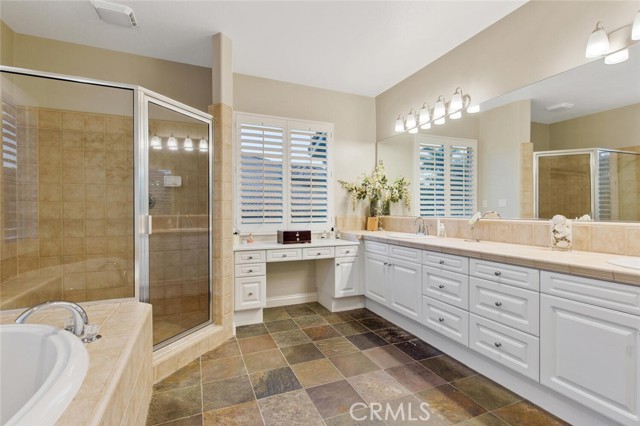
307	366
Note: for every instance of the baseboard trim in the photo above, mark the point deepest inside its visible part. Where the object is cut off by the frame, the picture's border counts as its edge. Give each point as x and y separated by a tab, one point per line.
291	299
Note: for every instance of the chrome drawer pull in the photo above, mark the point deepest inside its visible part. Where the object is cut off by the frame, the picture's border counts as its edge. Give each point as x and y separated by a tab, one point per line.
441	319
250	294
497	273
250	270
441	262
498	304
441	286
337	264
319	254
284	255
250	257
348	251
497	344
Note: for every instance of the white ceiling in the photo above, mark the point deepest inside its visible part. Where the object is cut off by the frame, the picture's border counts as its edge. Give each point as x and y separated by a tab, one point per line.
361	47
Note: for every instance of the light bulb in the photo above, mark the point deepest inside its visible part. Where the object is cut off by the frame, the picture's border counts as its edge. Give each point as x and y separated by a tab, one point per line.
635	29
155	142
203	146
617	57
456	102
598	43
439	111
399	124
411	120
425	116
456	115
172	143
188	144
413	131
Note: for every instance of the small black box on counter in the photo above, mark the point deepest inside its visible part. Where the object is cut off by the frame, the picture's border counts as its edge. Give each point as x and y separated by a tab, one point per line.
294	237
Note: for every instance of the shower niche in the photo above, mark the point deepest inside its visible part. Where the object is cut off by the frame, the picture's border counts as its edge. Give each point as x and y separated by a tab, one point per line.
105	193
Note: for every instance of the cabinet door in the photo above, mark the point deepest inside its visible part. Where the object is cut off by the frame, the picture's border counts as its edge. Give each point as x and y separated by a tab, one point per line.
591	354
347	275
375	283
250	293
405	288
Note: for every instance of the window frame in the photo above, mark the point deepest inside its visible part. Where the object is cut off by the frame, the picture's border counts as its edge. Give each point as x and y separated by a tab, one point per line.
286	124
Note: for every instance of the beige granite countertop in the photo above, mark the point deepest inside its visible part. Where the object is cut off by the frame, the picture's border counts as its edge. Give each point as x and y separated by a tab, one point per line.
582	263
121	322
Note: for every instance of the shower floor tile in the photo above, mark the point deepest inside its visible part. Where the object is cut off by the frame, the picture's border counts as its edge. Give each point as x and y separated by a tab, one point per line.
297	368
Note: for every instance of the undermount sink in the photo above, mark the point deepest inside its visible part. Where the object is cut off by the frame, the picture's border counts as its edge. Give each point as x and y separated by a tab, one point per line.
42	368
406	235
627	262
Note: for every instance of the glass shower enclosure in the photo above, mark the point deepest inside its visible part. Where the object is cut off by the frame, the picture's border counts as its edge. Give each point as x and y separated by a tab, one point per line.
105	193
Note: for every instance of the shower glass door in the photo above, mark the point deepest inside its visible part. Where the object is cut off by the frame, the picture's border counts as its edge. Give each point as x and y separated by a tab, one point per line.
178	220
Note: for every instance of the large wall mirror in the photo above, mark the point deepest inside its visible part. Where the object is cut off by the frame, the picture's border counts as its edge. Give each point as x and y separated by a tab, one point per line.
568	145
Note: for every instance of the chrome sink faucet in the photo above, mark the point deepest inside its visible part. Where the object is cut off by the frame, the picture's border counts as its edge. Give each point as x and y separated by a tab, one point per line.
422	229
79	316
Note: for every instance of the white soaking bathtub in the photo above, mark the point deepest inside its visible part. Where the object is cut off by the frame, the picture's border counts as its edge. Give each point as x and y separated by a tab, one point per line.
41	370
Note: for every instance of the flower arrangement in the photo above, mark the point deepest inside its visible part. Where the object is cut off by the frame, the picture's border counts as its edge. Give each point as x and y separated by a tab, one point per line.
378	190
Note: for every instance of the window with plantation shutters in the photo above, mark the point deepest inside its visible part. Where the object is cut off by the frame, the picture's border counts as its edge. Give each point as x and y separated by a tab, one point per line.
446	176
283	174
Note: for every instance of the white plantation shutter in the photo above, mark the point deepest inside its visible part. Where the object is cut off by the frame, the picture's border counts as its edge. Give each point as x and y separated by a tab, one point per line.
308	174
260	173
283	174
447	176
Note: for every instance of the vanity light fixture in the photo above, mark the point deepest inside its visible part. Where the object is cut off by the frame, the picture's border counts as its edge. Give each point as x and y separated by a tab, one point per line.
172	143
617	57
635	28
425	117
473	109
188	144
203	146
411	119
439	111
456	104
155	142
598	43
399	124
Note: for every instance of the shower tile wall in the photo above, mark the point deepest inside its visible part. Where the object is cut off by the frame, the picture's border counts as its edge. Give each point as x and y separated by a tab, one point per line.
565	186
73	194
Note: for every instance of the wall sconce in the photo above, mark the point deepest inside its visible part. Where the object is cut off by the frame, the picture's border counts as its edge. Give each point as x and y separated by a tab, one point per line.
172	143
399	124
614	46
155	142
203	146
188	144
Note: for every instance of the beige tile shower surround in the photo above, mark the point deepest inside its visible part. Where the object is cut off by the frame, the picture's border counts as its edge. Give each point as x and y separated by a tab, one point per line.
117	388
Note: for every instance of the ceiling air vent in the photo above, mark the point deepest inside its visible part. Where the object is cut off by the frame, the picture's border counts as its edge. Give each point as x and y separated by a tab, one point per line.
115	14
559	107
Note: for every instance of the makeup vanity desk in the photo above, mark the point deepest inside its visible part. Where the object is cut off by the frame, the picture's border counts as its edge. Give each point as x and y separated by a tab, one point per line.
338	277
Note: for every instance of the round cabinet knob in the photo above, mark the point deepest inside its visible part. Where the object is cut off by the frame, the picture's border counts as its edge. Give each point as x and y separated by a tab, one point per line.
319	253
497	273
337	264
441	286
284	255
250	293
441	319
348	251
497	344
250	257
498	304
250	270
441	262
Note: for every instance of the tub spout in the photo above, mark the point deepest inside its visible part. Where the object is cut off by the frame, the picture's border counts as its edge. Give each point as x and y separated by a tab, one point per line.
80	317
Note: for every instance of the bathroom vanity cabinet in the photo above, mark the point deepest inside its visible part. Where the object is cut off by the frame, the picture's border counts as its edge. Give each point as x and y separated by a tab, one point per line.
578	336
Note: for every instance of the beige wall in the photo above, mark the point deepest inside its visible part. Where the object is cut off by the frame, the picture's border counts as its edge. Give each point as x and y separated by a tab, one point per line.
188	84
538	40
353	117
615	128
540	136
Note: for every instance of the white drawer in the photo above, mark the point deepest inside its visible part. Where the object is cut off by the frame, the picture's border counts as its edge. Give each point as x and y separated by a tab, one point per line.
374	247
446	262
346	251
506	274
620	297
250	269
318	253
511	348
250	293
250	256
445	319
405	253
512	306
445	286
283	255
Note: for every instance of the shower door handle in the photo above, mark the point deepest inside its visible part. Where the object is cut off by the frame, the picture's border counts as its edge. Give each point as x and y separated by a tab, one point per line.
147	224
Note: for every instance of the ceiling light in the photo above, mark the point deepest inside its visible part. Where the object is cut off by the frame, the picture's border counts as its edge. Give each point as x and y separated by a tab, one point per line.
456	102
635	29
598	43
399	124
472	109
425	115
172	143
411	120
115	14
203	146
188	144
617	57
155	142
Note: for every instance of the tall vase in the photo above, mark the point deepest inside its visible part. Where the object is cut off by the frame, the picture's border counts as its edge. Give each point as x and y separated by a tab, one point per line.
375	208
